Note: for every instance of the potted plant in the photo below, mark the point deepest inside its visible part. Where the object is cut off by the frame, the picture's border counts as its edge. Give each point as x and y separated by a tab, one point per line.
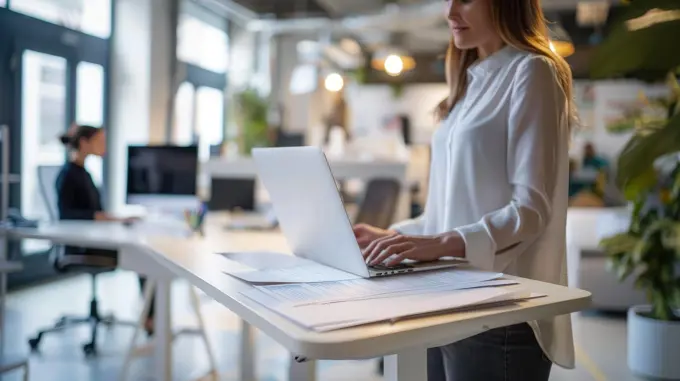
648	171
251	111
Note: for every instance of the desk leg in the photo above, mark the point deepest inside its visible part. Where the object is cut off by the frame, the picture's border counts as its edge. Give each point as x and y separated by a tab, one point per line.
410	365
247	368
302	371
163	331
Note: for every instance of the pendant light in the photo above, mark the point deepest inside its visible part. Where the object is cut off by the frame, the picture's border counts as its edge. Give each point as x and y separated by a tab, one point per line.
560	42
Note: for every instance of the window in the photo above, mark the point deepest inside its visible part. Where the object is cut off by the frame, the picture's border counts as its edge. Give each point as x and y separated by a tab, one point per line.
199	117
89	16
184	115
3	3
202	44
209	119
90	108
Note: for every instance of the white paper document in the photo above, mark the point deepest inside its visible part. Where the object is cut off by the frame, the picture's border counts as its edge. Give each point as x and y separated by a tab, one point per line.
266	267
326	292
330	316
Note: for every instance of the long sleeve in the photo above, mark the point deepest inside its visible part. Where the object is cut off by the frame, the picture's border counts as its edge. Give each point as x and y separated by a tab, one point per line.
414	226
69	190
537	113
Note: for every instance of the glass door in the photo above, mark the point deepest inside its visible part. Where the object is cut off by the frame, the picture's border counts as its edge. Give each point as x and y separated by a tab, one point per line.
54	91
44	83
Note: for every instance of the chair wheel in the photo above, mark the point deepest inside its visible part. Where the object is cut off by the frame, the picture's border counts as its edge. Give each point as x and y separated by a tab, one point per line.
89	349
34	343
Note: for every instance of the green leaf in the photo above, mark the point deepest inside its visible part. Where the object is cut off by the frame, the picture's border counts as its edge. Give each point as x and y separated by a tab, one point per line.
639	154
644	53
671	239
641	184
619	243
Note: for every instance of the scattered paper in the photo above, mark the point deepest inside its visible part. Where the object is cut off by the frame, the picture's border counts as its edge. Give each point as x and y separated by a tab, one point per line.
267	267
324	317
366	288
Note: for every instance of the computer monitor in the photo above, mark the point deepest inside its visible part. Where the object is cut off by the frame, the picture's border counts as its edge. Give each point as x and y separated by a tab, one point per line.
162	177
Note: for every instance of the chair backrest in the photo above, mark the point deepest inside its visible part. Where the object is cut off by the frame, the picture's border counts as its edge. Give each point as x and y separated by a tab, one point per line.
379	203
232	194
47	179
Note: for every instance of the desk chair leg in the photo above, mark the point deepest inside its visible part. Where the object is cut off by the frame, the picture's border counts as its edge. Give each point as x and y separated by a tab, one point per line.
26	372
410	365
196	304
149	289
303	371
247	368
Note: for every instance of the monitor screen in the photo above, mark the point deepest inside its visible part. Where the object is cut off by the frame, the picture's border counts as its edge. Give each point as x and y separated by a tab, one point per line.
162	170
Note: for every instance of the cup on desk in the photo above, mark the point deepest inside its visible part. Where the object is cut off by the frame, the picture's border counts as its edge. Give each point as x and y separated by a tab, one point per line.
195	218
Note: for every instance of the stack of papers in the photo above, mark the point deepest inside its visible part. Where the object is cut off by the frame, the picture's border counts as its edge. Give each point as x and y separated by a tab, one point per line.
325	306
268	267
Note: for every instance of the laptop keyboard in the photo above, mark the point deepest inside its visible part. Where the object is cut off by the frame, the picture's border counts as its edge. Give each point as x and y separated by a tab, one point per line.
381	267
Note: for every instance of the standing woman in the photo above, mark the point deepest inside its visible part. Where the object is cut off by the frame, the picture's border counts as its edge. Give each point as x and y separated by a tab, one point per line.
498	183
78	197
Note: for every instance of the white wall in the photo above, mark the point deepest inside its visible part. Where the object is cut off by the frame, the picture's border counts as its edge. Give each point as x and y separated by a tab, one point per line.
370	105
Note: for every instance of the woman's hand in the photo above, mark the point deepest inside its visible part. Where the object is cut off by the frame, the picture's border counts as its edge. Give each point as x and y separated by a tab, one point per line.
398	247
365	234
103	216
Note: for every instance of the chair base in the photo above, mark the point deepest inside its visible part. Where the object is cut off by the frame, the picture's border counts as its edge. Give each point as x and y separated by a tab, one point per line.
94	320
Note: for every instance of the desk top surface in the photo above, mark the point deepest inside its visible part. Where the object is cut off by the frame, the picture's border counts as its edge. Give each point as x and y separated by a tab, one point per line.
194	259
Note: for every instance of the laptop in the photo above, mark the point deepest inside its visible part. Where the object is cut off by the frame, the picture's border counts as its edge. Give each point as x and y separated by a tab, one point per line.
312	216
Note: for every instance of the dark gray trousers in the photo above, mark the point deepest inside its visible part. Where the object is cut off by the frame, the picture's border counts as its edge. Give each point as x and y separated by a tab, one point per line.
502	354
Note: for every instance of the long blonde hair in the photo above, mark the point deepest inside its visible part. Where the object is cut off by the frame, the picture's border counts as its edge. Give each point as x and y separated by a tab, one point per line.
522	25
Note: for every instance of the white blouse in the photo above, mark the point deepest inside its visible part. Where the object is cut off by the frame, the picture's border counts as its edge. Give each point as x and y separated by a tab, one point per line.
499	177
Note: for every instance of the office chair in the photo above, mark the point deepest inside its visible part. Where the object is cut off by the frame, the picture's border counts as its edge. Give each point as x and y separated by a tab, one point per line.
232	194
379	203
92	264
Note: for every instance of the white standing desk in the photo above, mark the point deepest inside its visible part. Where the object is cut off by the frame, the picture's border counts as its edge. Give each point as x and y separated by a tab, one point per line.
194	260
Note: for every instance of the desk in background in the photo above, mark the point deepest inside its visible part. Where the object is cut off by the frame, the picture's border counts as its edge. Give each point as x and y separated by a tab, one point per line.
342	169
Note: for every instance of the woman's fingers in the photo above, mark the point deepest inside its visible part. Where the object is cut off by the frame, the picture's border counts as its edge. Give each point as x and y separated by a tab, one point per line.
377	245
364	240
397	259
360	229
390	251
374	243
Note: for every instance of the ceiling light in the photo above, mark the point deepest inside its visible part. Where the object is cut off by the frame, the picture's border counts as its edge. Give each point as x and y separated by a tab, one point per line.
334	82
394	65
393	61
560	42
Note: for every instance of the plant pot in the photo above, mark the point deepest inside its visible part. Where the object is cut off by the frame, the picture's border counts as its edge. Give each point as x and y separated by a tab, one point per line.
653	345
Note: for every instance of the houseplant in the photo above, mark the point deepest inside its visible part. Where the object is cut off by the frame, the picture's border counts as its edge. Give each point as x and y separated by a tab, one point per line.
251	112
648	170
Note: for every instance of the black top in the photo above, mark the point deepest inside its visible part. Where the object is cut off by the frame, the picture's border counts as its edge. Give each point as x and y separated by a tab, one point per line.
78	197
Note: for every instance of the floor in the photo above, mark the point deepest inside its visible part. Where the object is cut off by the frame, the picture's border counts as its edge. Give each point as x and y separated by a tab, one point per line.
601	340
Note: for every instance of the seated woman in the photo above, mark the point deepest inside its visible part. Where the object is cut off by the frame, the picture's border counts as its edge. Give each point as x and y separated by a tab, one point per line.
78	197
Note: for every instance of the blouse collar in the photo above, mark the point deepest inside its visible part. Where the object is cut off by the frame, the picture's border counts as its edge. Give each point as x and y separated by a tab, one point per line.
493	62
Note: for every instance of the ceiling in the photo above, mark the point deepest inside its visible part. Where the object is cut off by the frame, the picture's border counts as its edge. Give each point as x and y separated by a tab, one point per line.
420	22
419	25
